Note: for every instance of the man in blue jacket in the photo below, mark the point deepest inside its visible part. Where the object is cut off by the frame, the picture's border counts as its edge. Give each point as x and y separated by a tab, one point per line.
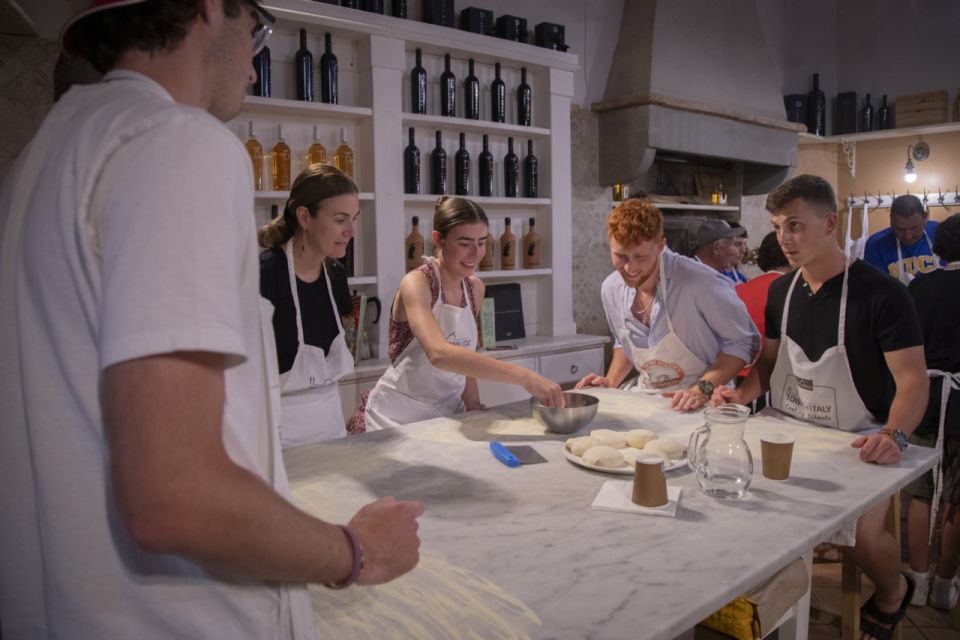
906	247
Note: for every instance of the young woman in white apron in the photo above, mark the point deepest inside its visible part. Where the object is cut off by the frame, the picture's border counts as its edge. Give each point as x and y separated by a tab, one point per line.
433	333
316	225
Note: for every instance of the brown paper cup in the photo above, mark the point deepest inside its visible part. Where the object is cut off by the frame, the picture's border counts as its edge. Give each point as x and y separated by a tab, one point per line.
776	450
650	483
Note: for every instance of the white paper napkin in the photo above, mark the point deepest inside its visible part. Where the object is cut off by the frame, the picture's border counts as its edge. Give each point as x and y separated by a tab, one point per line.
616	495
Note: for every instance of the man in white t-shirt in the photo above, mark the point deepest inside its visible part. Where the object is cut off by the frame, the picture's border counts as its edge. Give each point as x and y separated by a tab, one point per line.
141	484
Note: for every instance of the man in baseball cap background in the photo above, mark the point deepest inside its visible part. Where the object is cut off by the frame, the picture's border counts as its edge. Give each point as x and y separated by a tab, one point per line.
141	482
716	246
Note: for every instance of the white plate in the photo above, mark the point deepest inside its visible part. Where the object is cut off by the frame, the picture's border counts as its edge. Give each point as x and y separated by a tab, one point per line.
625	470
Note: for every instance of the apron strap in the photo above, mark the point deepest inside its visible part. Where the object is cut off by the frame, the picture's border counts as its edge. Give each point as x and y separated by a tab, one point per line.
662	290
288	249
843	305
951	382
786	305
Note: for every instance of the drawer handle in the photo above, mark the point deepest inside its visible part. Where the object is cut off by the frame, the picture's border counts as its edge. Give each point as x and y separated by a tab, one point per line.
574	369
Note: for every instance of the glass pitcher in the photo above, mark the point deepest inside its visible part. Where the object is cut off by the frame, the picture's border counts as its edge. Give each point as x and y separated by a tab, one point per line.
718	453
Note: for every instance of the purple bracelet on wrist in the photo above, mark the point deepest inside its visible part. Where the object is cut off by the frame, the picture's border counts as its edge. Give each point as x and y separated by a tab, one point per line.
357	561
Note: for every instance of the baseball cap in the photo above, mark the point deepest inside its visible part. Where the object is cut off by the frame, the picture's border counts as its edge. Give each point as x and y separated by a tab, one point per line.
712	230
68	34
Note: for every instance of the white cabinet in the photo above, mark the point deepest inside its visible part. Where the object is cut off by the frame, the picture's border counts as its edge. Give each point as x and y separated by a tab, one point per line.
571	366
494	393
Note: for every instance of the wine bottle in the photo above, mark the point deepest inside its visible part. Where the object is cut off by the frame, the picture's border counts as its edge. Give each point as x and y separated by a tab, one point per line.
413	246
438	169
281	162
328	72
274	211
261	64
303	62
347	260
471	95
884	121
866	115
418	86
530	172
511	171
350	4
399	8
317	153
817	109
485	188
448	90
255	149
508	247
486	262
461	164
343	157
531	247
373	6
498	97
524	100
411	167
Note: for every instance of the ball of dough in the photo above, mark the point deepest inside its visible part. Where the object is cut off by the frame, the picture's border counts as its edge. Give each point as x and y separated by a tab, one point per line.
577	446
630	455
670	449
638	438
602	456
610	438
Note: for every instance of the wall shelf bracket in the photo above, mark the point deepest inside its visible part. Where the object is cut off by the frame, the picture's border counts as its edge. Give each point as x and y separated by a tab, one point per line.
850	151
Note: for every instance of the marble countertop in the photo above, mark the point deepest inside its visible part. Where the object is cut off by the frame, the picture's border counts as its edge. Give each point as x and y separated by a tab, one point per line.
519	553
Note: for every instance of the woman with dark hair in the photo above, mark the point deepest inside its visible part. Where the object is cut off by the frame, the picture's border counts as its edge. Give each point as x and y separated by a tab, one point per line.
433	333
301	277
938	308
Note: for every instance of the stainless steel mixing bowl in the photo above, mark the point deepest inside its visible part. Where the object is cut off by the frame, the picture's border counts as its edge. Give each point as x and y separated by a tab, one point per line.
579	411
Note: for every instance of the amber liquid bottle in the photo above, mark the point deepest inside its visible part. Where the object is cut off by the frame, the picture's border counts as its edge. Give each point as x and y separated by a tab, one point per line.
486	262
413	246
343	158
508	248
316	154
255	149
531	247
281	162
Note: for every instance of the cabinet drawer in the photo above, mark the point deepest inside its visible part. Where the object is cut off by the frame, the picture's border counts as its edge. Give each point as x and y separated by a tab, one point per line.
572	366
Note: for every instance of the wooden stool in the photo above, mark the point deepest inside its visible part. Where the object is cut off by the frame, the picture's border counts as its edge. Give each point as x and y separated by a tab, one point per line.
850	582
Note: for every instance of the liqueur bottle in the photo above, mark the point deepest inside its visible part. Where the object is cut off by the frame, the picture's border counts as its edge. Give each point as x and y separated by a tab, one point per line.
511	171
411	167
261	64
530	172
508	248
303	63
486	262
255	149
531	247
316	154
816	109
418	86
485	187
498	97
343	157
884	121
524	100
413	246
438	169
328	72
471	94
461	165
448	90
866	115
281	162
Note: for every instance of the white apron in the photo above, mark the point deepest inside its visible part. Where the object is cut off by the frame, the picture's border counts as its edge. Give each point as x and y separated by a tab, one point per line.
311	409
951	382
855	248
667	366
902	274
820	391
412	389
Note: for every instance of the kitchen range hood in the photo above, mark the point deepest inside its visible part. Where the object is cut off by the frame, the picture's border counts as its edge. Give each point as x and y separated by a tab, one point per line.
694	78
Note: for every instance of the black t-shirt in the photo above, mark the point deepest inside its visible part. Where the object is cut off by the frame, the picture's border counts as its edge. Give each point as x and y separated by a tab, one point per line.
319	323
880	318
937	298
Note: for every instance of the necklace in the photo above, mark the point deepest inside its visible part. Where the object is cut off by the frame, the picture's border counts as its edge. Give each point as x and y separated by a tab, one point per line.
643	312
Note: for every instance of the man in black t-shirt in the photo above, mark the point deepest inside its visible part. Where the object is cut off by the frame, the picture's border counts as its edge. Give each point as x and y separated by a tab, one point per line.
844	350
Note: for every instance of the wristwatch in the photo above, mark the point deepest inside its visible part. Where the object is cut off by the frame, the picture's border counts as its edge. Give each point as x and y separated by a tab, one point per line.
706	387
898	436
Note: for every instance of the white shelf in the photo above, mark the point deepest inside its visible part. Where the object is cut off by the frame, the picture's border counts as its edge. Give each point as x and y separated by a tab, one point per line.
361	280
473	126
277	106
513	274
903	132
425	198
694	207
280	196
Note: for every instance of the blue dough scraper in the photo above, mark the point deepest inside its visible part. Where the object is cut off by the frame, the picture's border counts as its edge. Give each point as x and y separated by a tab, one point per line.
515	456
